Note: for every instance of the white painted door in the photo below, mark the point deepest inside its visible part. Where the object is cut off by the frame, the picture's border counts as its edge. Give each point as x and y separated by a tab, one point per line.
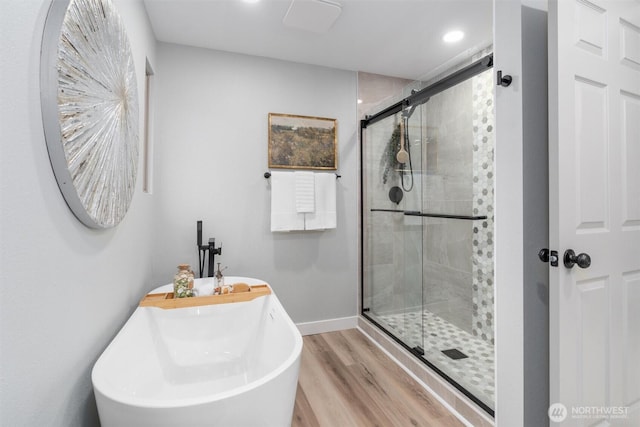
594	154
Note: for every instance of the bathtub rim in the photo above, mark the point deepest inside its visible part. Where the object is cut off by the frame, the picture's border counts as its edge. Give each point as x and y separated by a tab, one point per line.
148	403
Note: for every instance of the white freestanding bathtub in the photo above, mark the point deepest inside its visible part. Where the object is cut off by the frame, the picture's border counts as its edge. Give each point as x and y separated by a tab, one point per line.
222	365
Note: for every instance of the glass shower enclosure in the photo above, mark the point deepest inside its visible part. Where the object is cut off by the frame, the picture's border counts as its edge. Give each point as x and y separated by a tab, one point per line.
427	227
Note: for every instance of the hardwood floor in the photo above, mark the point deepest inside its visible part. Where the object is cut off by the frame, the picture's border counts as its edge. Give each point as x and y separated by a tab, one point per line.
346	380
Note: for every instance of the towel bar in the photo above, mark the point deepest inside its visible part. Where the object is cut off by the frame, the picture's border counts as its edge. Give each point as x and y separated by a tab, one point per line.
267	175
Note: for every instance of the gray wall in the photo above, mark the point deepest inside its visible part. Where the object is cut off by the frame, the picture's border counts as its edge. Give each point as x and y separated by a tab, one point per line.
66	290
211	153
536	217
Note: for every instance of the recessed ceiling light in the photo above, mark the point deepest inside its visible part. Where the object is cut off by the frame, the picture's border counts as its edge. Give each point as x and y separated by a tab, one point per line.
359	101
453	36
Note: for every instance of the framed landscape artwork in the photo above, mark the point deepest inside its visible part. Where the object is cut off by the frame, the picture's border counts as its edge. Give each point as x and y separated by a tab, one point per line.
301	142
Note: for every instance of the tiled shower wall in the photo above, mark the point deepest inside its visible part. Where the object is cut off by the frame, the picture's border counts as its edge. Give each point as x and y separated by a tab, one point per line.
458	254
483	203
447	189
447	262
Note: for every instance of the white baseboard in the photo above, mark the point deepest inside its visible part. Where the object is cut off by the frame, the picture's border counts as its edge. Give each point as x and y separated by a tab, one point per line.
329	325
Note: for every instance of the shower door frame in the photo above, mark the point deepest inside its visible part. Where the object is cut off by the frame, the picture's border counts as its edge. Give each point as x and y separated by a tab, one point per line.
416	98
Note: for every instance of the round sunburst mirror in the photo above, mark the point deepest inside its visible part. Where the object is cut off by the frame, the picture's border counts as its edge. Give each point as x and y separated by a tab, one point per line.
90	109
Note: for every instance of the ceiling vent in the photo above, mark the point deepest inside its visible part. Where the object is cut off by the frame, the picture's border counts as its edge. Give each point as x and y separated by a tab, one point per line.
316	16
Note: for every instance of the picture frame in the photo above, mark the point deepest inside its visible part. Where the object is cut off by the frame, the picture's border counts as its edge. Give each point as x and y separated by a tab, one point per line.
302	142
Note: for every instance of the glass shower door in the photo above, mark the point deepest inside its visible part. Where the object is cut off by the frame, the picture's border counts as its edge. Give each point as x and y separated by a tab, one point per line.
392	245
458	230
428	227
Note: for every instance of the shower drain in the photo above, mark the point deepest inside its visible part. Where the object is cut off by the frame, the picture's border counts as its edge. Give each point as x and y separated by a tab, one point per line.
454	354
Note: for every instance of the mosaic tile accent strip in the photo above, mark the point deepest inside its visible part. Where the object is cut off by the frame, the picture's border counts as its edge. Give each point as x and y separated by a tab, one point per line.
475	373
483	204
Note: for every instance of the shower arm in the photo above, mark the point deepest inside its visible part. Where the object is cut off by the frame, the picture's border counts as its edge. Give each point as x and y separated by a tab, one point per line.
408	112
405	145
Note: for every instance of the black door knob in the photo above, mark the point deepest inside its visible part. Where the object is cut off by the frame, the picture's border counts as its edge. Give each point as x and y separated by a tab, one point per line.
570	259
551	257
544	255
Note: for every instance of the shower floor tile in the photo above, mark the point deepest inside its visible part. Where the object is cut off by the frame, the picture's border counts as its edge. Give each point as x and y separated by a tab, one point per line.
475	372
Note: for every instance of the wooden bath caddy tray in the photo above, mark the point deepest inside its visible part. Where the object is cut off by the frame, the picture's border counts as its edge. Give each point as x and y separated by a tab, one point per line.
165	300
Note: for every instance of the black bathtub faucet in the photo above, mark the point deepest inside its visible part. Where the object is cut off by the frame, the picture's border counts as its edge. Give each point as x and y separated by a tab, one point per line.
203	249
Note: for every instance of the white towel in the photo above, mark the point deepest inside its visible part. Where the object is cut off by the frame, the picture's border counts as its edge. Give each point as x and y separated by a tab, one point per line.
305	192
283	207
324	216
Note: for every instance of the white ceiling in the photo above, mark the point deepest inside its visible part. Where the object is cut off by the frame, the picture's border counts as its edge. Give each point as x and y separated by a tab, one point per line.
401	38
